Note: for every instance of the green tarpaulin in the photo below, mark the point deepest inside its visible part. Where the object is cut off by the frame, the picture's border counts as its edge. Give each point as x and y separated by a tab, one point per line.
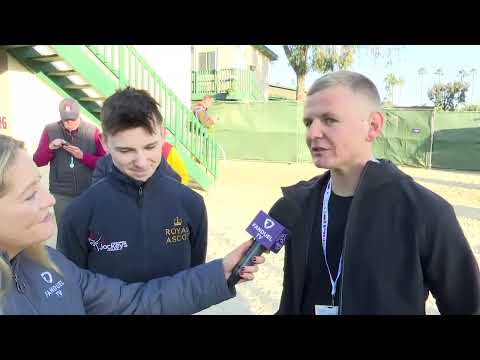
406	137
274	131
456	141
267	131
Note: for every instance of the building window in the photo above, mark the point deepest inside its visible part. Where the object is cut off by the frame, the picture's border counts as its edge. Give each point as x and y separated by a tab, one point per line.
206	61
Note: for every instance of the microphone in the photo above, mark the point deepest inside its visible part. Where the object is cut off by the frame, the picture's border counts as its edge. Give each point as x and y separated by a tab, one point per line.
268	233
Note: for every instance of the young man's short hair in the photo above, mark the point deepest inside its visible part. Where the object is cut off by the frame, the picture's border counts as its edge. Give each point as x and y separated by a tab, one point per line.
130	108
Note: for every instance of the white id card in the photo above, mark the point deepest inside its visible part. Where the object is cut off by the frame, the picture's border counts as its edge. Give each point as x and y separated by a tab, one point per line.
326	310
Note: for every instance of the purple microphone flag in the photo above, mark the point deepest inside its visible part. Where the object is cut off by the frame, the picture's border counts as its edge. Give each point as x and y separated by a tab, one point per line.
268	232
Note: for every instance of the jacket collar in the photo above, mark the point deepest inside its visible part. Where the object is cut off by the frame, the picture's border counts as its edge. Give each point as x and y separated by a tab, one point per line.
374	175
4	256
119	177
66	132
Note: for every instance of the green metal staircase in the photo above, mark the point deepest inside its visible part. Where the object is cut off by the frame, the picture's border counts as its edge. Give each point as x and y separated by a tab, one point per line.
91	73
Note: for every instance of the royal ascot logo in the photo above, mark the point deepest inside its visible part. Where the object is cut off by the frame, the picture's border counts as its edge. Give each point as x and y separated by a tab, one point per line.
177	233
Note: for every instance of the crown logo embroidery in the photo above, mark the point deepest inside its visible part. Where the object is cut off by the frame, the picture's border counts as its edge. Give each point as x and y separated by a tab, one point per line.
177	221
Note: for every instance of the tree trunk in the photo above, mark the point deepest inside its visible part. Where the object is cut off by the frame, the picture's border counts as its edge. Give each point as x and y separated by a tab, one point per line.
421	89
301	87
473	89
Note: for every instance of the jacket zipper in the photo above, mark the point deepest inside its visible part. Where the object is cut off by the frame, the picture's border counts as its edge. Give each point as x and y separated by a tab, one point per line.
344	249
142	227
140	196
21	286
19	283
74	177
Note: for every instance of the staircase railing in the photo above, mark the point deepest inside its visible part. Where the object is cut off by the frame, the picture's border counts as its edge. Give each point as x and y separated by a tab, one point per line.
236	83
125	62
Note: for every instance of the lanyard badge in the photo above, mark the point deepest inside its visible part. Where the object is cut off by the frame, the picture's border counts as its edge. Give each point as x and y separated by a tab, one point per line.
321	309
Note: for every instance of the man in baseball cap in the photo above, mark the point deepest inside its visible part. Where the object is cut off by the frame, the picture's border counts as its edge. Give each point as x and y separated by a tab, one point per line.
69	109
72	147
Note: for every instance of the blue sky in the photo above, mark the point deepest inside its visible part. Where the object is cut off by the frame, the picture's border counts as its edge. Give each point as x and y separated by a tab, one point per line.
405	64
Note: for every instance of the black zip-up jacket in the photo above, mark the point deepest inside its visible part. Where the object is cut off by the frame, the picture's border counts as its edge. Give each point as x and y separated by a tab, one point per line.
401	241
133	231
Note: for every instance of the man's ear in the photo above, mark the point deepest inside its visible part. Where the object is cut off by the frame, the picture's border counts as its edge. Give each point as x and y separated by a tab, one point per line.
375	125
103	140
163	132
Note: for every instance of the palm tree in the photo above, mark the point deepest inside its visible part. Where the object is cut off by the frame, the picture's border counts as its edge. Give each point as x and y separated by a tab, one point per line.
462	74
391	82
421	72
439	72
400	83
473	72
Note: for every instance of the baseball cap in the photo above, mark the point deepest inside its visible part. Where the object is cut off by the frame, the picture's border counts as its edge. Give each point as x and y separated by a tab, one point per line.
69	109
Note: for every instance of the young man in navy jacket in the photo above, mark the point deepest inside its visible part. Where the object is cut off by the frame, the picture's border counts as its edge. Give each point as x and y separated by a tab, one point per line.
137	223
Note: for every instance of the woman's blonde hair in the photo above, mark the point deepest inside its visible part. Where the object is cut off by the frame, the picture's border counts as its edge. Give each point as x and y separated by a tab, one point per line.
9	148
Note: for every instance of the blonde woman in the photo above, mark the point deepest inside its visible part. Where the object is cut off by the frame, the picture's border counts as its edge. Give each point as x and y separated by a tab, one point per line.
36	279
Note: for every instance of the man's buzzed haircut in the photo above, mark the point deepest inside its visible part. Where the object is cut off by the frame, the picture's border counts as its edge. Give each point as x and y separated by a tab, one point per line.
356	82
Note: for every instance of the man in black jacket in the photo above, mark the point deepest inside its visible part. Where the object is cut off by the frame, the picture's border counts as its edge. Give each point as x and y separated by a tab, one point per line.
371	240
137	223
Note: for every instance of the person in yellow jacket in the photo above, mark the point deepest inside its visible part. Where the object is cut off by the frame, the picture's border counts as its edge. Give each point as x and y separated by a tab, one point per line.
175	161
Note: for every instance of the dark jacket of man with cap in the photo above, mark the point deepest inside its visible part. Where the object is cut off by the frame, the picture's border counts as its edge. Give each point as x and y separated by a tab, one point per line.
72	147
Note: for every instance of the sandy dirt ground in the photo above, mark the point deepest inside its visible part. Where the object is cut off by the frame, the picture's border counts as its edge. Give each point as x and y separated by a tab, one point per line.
243	188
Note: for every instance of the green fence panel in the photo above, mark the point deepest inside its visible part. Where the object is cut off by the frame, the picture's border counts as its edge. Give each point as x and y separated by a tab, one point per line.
406	137
456	143
266	131
274	131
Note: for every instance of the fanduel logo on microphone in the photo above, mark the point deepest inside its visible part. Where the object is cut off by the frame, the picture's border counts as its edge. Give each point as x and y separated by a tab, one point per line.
268	224
268	232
